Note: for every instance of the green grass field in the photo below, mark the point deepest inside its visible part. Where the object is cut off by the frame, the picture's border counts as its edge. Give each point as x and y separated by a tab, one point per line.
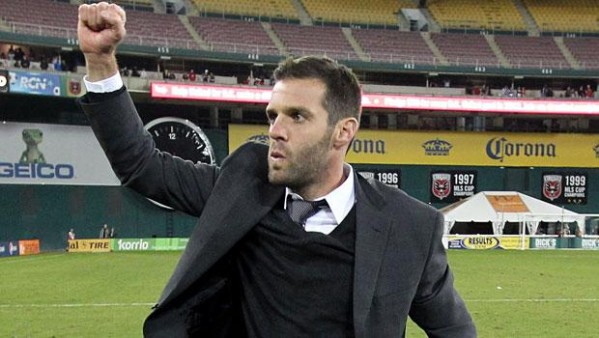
509	293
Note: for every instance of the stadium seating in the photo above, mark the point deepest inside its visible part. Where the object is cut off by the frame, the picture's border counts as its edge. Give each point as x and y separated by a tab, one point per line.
234	36
42	18
139	5
499	15
394	46
302	40
377	12
585	50
534	52
278	9
152	29
565	15
459	49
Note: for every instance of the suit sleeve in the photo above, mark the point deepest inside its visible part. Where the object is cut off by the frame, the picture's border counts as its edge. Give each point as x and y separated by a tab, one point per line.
131	151
437	307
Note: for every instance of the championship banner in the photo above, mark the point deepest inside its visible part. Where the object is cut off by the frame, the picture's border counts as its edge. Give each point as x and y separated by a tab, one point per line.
8	249
34	83
4	81
29	247
89	245
565	187
34	153
390	177
456	148
452	185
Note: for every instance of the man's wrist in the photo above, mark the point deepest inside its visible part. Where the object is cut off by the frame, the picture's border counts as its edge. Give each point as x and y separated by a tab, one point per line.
108	85
100	67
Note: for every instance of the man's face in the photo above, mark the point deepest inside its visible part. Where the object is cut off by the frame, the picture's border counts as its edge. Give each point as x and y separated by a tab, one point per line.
300	140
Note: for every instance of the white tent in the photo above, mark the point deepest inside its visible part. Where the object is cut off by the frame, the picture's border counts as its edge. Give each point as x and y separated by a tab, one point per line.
499	207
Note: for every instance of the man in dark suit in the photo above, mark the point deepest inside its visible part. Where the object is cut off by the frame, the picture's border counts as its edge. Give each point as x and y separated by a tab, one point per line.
263	261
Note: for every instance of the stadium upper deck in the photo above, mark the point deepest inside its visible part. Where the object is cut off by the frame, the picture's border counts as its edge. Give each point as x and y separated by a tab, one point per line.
273	28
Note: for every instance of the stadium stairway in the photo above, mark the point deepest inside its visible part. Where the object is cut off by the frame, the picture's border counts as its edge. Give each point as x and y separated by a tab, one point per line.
275	38
498	53
433	26
3	25
194	34
302	14
159	7
559	41
431	45
531	25
354	43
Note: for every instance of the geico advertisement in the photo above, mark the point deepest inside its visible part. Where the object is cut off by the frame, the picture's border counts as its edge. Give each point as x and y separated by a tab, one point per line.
52	154
455	148
89	245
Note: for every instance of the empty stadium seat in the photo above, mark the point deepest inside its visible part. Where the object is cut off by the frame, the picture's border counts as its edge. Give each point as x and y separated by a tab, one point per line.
585	50
234	36
531	52
460	49
564	15
278	9
499	15
383	45
376	12
304	40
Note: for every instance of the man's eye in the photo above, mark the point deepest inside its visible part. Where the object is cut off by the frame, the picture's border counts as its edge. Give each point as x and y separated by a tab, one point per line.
297	116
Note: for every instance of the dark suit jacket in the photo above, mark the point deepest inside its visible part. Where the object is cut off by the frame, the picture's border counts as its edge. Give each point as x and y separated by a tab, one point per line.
400	264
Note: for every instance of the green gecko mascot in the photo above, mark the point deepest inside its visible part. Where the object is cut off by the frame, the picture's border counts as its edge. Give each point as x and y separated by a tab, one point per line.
32	154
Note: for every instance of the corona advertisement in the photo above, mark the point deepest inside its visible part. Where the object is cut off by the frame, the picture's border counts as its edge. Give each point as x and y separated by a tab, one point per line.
456	148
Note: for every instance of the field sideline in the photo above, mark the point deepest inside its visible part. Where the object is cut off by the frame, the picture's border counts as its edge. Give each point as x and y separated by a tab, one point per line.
509	293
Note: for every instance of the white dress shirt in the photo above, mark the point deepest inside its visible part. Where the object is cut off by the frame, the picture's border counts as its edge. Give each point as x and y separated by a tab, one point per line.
340	202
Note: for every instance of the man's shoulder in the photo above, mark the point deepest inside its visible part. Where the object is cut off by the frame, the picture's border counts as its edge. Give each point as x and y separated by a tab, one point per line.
250	157
396	199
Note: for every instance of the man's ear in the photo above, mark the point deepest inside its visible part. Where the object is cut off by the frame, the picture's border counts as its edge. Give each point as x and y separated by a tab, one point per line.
345	131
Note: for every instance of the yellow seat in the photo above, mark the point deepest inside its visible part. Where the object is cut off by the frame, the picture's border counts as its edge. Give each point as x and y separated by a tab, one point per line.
377	12
565	15
477	14
272	8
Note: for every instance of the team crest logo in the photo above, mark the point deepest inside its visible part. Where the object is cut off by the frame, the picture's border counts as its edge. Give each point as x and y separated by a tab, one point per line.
74	87
596	149
436	147
441	185
552	186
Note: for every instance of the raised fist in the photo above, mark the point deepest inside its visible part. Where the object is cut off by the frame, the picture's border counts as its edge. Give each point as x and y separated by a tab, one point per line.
101	28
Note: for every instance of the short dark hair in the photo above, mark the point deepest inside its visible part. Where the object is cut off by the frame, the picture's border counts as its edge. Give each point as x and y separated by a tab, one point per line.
343	96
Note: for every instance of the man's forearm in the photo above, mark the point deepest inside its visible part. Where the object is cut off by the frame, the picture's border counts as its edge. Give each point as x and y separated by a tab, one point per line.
100	67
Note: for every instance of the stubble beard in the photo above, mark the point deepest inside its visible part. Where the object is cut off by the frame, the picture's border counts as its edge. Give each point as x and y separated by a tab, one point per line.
302	167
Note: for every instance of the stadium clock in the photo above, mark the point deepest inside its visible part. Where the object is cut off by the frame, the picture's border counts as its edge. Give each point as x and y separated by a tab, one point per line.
181	138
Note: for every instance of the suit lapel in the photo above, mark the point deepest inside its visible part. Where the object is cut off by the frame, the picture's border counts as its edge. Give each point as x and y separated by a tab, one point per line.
371	241
240	199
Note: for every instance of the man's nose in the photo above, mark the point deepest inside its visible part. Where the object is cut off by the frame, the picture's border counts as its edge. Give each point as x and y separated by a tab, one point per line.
277	130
